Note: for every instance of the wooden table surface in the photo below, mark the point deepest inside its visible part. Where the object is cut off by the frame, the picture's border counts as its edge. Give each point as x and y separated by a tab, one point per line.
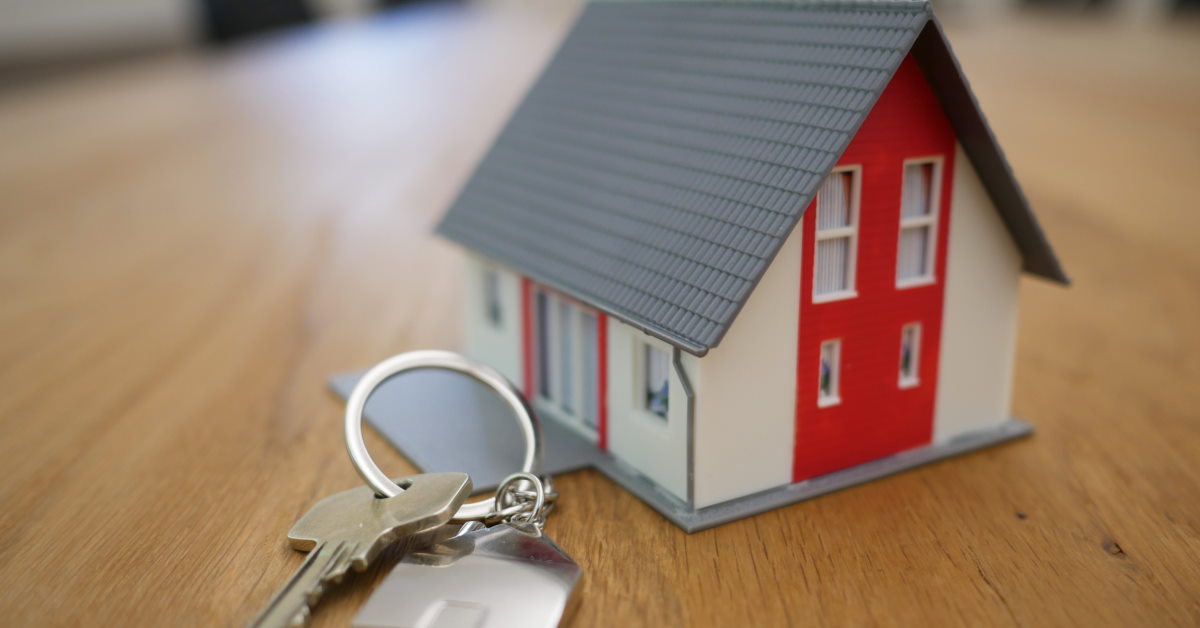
190	245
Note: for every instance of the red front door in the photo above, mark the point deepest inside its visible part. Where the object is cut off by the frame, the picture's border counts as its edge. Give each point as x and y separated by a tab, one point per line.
872	279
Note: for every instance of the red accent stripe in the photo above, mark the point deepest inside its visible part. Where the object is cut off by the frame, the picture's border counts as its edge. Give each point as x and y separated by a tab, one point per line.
875	417
602	388
527	337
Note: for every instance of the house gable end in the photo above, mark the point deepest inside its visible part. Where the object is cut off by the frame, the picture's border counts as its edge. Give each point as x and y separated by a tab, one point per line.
655	169
933	54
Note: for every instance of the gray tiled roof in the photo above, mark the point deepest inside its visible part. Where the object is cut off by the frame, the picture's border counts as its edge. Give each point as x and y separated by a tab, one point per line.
669	148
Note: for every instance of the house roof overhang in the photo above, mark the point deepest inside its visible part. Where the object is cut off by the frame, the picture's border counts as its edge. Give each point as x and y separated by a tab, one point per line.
667	151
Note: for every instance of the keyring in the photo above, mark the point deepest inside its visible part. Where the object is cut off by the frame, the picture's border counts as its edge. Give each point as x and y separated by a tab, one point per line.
445	360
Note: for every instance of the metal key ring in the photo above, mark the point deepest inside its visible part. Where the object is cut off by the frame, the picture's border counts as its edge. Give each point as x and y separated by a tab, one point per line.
383	485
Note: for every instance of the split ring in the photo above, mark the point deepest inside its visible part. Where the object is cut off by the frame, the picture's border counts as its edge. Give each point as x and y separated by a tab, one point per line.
445	360
505	494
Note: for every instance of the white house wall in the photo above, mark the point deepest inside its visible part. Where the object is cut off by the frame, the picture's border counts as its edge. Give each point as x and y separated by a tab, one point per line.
498	346
654	447
979	323
746	391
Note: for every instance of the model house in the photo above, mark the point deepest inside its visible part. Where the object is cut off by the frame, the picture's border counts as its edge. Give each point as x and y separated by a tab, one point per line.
743	246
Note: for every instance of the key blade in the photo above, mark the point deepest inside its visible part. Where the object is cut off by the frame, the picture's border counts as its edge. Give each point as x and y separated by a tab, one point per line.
292	604
429	501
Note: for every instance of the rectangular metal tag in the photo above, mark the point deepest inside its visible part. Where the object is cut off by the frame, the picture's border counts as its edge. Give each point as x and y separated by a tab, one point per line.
509	575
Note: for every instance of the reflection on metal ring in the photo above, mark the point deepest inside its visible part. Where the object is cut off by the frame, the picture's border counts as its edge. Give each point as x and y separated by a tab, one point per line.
445	360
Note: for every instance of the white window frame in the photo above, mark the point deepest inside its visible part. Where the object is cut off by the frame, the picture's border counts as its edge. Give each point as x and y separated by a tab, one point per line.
835	374
914	379
930	221
840	232
640	351
577	415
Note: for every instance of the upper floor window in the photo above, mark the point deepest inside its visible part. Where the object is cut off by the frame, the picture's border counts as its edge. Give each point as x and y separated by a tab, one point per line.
491	297
918	222
837	236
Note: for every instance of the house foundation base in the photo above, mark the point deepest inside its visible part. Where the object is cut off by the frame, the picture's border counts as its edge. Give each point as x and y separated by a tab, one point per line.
443	421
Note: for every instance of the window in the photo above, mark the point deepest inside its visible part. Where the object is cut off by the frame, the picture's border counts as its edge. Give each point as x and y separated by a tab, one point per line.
918	221
829	375
491	297
837	235
655	386
591	369
910	354
567	355
542	311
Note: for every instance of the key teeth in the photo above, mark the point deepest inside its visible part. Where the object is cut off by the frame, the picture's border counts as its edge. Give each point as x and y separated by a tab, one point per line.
339	564
314	595
334	573
301	618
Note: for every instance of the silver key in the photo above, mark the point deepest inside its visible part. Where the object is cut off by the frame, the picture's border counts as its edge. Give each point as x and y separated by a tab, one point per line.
508	576
349	529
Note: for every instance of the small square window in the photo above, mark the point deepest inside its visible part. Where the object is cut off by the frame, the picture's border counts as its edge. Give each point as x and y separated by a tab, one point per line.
829	373
910	355
656	368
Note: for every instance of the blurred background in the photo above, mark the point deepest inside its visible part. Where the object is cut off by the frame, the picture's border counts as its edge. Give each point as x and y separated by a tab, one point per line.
47	37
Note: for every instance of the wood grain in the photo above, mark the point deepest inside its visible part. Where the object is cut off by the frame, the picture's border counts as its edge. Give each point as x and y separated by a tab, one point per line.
190	245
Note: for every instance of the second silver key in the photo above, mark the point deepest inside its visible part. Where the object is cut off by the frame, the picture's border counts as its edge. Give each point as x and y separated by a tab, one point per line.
349	529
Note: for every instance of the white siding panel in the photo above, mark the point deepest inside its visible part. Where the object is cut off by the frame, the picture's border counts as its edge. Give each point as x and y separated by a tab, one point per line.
746	391
655	447
497	345
979	323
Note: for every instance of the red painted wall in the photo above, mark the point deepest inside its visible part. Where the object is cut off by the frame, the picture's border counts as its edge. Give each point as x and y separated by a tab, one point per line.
602	385
527	365
876	417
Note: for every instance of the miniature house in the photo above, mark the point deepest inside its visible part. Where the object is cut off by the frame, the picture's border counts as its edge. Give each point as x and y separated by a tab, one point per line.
744	246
